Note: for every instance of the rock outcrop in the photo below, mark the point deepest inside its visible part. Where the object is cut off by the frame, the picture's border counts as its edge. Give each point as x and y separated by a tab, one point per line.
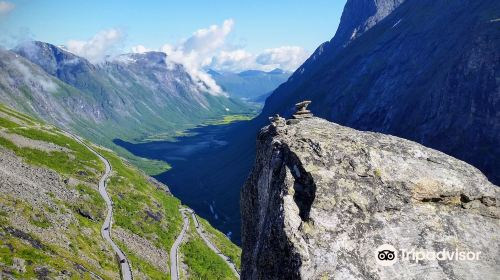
322	198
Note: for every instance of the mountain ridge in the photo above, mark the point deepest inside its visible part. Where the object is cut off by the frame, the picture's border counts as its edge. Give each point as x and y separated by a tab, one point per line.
250	85
131	97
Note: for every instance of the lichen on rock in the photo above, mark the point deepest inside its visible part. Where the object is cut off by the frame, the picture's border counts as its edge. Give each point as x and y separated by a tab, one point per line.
322	198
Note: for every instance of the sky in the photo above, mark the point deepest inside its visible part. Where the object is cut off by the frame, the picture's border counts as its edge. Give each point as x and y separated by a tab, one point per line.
227	35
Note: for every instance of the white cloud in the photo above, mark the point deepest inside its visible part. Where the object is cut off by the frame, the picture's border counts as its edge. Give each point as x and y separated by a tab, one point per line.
6	7
34	79
140	49
208	40
233	61
208	48
197	51
287	57
102	44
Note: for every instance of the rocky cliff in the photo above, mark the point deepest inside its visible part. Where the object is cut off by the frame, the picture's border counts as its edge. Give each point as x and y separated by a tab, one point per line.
322	198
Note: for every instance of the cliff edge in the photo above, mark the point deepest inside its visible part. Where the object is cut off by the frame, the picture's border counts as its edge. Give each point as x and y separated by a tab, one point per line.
322	199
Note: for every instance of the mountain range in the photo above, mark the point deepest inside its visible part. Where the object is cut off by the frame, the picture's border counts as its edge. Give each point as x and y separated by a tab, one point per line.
132	96
250	85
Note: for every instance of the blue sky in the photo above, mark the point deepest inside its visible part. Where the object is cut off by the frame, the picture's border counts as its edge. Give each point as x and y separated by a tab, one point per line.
256	25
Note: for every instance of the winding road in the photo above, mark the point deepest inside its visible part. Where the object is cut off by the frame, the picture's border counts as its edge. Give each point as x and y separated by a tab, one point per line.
125	269
174	257
213	247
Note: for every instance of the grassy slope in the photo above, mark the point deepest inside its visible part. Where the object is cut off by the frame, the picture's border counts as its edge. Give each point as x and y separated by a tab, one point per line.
133	195
19	244
202	262
223	243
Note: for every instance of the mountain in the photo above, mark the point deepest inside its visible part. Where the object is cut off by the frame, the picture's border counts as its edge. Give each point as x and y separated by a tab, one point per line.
323	199
32	90
130	97
251	84
53	212
424	70
428	71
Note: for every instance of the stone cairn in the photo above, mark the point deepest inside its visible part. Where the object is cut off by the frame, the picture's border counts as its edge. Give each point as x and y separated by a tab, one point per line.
302	112
278	123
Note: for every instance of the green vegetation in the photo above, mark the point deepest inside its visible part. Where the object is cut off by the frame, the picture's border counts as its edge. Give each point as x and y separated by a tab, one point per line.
60	162
91	203
40	220
202	262
223	243
149	166
133	195
143	266
227	119
25	118
30	250
54	136
78	162
13	250
85	243
140	207
7	124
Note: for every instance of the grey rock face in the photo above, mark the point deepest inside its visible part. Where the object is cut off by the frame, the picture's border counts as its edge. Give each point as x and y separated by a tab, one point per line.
322	198
360	15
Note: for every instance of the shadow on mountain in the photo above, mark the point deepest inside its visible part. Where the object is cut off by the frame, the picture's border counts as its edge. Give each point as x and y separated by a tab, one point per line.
200	161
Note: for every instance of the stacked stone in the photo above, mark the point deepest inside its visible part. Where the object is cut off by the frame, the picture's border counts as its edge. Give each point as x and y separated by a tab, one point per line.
302	111
278	123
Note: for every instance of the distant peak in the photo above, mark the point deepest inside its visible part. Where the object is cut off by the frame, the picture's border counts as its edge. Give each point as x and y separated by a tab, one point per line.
146	58
36	48
277	71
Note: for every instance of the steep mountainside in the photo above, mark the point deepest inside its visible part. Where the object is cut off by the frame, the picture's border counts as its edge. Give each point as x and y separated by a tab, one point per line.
51	211
250	85
130	97
322	198
32	90
429	71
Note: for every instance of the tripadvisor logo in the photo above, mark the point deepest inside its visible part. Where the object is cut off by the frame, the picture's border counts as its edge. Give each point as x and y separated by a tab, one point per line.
387	255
